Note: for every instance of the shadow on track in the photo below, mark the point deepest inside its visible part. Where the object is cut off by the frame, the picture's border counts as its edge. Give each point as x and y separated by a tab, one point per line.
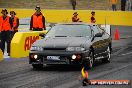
64	68
60	68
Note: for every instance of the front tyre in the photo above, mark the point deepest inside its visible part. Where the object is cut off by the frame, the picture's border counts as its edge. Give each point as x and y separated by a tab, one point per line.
37	66
107	59
88	63
91	60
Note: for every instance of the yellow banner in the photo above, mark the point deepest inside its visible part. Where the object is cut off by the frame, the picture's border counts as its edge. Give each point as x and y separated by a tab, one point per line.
60	16
1	55
21	43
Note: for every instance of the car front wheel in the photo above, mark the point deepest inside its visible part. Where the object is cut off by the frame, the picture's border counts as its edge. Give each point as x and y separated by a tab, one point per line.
37	66
88	63
91	59
107	59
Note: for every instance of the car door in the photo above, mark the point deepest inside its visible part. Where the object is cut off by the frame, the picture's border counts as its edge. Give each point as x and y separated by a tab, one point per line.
106	39
104	42
97	43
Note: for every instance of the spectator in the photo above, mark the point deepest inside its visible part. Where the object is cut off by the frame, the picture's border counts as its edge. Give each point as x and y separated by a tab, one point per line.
128	5
5	28
75	17
123	4
73	2
93	17
114	2
37	22
15	22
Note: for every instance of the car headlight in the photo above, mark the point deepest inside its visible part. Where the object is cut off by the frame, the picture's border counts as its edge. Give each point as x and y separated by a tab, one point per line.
75	49
36	48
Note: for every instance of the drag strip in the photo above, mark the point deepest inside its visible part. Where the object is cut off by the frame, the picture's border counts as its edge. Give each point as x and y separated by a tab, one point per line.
126	54
17	73
56	76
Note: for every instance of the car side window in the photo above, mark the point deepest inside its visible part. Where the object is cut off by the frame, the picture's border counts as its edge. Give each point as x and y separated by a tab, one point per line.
92	33
100	30
95	29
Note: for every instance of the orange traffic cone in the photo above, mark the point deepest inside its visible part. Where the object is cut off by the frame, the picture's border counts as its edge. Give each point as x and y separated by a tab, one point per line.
116	34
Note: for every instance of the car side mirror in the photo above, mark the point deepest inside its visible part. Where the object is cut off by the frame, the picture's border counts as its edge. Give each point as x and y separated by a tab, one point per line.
98	35
42	35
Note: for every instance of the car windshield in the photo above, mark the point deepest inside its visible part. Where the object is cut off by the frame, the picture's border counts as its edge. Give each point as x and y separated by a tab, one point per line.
69	31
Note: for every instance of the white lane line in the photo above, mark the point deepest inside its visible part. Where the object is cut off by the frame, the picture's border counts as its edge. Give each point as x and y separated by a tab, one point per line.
119	51
126	53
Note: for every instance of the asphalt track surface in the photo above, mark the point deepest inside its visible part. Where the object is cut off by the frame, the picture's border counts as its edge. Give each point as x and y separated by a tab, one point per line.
17	73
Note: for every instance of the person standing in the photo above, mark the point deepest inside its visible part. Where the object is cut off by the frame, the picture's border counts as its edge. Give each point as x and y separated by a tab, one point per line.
114	3
5	28
75	17
123	5
128	5
15	23
73	2
93	17
37	22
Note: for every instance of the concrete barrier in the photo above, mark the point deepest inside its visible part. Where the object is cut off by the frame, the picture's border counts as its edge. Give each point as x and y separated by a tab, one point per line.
1	55
21	43
102	17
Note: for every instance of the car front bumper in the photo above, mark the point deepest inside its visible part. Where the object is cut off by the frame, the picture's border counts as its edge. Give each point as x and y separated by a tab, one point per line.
65	57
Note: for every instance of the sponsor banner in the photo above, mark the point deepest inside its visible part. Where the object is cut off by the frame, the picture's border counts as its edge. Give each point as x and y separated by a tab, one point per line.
22	41
58	16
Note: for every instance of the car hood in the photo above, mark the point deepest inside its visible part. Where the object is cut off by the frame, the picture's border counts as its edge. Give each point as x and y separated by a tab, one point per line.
61	42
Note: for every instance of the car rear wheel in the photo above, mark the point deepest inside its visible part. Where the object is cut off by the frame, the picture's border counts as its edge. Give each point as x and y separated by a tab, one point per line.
37	66
107	59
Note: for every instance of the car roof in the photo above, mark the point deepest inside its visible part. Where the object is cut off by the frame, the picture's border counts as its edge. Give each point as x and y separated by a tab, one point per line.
77	23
